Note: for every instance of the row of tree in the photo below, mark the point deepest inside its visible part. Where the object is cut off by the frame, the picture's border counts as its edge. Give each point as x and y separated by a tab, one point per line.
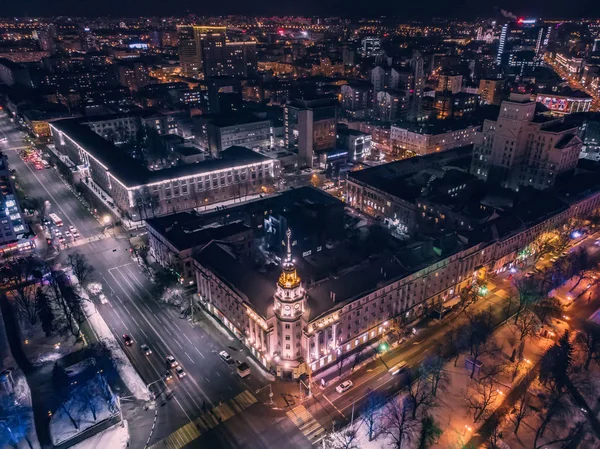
45	295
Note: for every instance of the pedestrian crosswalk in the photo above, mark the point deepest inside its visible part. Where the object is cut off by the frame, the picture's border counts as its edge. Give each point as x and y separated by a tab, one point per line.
307	424
206	421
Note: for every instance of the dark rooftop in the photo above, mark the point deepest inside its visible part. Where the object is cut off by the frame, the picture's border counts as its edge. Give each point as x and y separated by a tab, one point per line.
132	173
187	230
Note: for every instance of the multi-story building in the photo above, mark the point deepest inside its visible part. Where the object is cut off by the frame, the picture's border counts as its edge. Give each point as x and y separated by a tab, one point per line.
567	101
15	235
217	133
134	75
206	50
383	191
521	148
173	240
310	124
411	139
390	105
356	142
491	91
371	46
357	99
450	81
294	328
140	193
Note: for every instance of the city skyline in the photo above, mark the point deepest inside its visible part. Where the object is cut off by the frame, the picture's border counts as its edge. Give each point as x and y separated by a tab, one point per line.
353	9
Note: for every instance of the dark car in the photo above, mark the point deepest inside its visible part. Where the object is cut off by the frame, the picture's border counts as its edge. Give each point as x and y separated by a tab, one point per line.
127	340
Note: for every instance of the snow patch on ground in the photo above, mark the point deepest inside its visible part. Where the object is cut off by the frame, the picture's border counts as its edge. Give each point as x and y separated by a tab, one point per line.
128	374
61	427
115	437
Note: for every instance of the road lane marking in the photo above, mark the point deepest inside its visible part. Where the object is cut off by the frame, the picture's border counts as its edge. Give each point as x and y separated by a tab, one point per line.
187	338
306	423
191	360
169	332
217	373
175	324
207	379
164	343
333	405
179	344
198	351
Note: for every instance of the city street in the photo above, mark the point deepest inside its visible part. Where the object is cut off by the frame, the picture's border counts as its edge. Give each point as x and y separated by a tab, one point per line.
211	391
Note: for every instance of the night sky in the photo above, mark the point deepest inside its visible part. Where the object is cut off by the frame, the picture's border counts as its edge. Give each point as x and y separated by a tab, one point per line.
349	8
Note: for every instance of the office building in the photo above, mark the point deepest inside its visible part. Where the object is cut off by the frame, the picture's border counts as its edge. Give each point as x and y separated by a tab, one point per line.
357	143
310	125
566	101
522	148
140	193
217	133
410	139
205	50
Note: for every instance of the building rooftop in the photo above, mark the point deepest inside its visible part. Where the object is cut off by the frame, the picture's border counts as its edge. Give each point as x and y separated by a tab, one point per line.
188	230
256	285
387	177
435	127
132	173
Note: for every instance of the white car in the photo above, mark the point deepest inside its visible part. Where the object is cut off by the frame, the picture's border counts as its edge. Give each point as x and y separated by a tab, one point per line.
67	234
103	299
180	372
225	356
171	362
344	386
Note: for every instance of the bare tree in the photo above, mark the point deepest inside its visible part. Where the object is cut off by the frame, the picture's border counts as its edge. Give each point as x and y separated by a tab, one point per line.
588	338
525	295
430	432
581	266
346	438
574	433
67	301
419	390
25	273
370	414
547	308
477	332
438	377
90	397
555	366
522	408
479	399
398	423
83	271
528	325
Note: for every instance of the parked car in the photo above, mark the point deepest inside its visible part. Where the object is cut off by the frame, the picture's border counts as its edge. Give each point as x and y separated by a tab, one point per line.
225	356
344	386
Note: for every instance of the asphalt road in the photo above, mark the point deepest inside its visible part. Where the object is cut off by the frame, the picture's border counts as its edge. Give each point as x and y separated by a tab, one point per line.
211	387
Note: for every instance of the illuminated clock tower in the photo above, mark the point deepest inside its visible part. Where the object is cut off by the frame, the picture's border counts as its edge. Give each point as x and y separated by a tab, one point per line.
290	317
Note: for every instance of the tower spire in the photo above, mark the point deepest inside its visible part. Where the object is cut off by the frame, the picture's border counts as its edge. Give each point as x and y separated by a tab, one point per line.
289	245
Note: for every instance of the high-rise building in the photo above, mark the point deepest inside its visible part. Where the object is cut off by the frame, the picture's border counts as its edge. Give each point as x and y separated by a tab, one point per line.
450	81
205	50
310	125
134	75
502	43
371	46
521	148
357	98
